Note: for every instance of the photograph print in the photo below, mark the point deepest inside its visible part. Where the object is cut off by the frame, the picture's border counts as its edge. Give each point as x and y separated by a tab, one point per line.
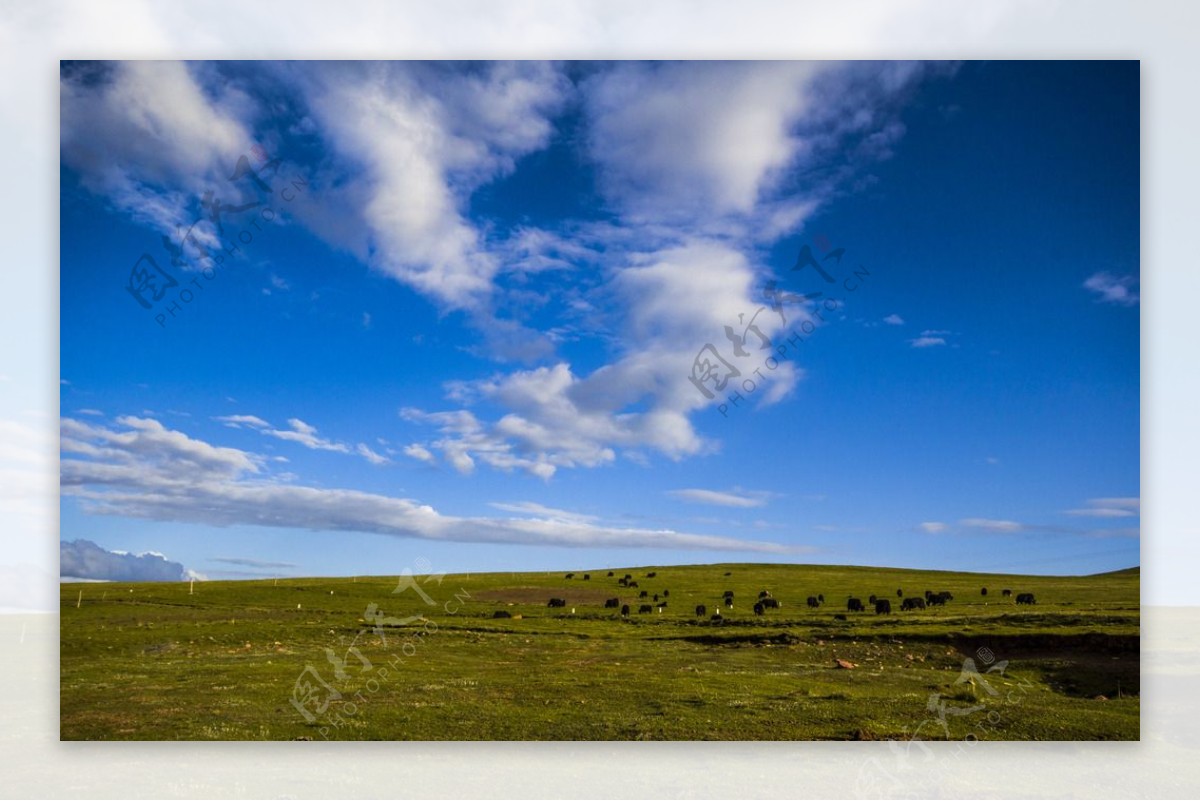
600	400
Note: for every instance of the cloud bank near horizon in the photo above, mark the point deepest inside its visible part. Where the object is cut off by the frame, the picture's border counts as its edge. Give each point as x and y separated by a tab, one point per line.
85	560
141	469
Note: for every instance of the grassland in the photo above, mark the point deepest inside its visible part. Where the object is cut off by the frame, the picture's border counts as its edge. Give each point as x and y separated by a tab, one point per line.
151	661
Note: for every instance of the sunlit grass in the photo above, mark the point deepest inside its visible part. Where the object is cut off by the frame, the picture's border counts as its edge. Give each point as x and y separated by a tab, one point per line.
150	661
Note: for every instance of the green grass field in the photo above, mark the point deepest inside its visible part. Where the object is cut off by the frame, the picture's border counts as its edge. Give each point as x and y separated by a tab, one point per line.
153	662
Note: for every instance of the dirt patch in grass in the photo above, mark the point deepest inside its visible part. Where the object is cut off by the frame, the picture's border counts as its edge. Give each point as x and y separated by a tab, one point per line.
738	639
540	596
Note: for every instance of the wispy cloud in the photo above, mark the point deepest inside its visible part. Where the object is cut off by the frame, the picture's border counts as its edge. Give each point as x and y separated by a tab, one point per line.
988	524
735	498
1119	290
687	216
927	342
231	560
1109	507
243	421
693	159
894	319
301	433
371	456
1104	508
145	471
306	435
933	527
531	509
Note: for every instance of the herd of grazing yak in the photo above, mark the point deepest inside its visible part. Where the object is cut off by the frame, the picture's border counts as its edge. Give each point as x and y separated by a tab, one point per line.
765	600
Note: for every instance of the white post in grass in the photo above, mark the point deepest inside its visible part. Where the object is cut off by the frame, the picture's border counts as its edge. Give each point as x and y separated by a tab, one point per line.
79	603
192	587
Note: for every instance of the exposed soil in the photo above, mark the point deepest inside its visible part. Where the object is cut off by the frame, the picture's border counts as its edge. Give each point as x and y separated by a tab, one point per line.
542	595
739	639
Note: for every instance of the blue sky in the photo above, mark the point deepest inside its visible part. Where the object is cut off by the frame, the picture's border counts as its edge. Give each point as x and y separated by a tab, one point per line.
460	325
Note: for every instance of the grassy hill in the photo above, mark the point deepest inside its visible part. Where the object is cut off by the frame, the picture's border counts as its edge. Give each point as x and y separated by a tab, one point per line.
151	661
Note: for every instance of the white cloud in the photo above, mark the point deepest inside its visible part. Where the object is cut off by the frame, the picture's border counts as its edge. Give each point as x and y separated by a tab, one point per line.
302	433
420	453
83	559
146	448
419	138
150	137
674	301
1119	290
927	342
692	159
696	140
1109	507
991	525
735	498
709	146
531	509
465	438
781	382
531	250
371	456
243	421
306	435
933	527
243	562
1123	503
150	473
1101	512
894	319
